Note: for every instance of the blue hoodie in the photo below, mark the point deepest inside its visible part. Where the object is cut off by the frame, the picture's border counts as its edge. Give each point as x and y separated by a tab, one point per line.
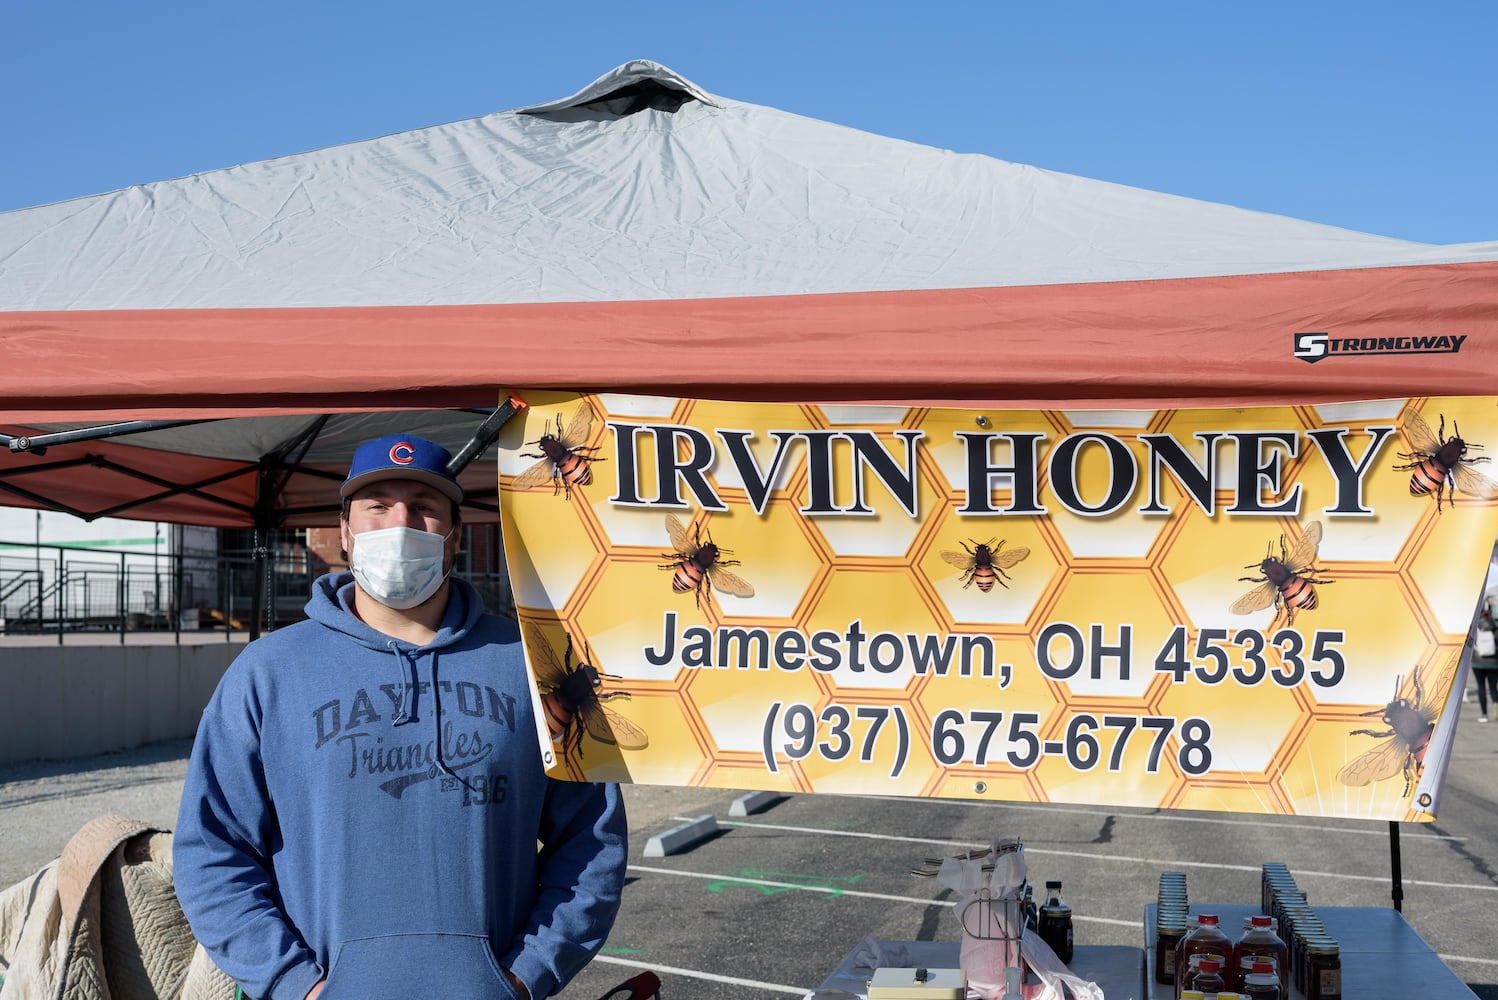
366	811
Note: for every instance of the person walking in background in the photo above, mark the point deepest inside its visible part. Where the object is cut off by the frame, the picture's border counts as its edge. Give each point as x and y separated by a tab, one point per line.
1485	660
366	808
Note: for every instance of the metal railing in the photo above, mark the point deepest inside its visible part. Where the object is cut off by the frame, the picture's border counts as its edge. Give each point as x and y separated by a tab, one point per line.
47	589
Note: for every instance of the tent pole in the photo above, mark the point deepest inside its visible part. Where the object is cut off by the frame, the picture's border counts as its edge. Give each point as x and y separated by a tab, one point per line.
38	444
275	468
265	523
1394	859
259	607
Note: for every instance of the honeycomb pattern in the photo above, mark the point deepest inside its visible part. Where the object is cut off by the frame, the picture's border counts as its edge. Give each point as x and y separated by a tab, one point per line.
1102	662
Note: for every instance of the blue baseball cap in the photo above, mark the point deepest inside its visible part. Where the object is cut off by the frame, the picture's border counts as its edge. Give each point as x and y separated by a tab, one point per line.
401	456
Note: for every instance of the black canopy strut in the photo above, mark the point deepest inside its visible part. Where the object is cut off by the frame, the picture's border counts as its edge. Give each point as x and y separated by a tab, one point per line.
38	444
280	464
273	472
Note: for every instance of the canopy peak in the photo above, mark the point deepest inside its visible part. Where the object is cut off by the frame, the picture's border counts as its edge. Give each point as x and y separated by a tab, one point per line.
636	86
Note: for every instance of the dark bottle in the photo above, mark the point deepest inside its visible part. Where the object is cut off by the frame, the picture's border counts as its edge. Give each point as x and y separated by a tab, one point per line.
1324	977
1168	934
1208	977
1055	922
1027	907
1261	943
1207	938
1262	983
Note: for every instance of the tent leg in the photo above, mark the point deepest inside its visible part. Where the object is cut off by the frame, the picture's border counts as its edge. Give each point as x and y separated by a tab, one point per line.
259	606
1398	875
268	485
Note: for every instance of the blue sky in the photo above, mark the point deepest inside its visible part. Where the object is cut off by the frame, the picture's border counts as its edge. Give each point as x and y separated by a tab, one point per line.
1373	116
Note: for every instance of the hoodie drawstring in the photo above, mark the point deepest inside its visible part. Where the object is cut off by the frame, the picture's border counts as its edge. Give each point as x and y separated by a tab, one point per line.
437	711
405	709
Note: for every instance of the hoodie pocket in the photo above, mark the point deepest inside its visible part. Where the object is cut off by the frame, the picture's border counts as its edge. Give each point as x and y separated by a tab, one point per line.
407	966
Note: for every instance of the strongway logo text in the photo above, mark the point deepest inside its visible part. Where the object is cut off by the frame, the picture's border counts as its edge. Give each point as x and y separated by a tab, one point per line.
1314	347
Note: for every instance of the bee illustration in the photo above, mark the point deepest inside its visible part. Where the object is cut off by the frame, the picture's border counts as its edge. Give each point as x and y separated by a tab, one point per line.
1440	463
571	694
984	563
565	458
1410	719
1288	582
697	563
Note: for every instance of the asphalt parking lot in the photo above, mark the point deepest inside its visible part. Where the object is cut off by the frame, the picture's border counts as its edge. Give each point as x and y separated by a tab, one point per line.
769	905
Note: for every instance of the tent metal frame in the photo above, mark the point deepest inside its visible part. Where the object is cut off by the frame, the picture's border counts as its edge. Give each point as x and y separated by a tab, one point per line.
273	471
169	489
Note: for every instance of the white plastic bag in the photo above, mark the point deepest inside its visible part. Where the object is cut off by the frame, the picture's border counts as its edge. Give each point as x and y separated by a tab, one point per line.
994	952
987	885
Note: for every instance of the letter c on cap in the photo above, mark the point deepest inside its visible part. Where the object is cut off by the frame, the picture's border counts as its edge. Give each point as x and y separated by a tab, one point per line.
402	453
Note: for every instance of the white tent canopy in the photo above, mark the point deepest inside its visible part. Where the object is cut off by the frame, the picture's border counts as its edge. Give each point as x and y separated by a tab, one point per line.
585	198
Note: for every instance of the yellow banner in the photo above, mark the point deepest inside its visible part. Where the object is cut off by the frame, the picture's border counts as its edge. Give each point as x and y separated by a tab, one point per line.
1255	610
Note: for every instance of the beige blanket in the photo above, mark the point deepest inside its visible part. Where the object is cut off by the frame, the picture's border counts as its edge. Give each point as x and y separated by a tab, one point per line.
102	922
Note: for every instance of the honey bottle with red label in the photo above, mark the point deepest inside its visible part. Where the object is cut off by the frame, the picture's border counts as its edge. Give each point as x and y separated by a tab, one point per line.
1206	938
1260	944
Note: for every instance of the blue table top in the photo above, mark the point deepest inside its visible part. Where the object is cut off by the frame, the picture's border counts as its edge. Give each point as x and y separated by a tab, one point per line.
1382	955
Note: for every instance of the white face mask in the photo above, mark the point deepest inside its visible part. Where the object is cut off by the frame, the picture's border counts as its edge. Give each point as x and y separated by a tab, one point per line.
399	567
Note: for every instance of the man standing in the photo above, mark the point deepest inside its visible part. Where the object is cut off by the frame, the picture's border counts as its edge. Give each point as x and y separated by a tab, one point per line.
1484	664
365	813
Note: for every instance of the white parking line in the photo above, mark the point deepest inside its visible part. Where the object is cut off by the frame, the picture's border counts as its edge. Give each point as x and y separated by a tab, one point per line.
794	991
1407	831
1168	864
839	891
1448	959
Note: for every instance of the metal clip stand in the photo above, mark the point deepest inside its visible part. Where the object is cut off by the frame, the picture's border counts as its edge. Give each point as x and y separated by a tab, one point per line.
1003	920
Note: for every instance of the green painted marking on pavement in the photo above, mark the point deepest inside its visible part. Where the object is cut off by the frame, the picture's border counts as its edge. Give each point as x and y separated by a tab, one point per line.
619	951
752	878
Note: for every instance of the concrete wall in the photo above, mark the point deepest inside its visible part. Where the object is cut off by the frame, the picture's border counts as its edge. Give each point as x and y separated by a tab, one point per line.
69	701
